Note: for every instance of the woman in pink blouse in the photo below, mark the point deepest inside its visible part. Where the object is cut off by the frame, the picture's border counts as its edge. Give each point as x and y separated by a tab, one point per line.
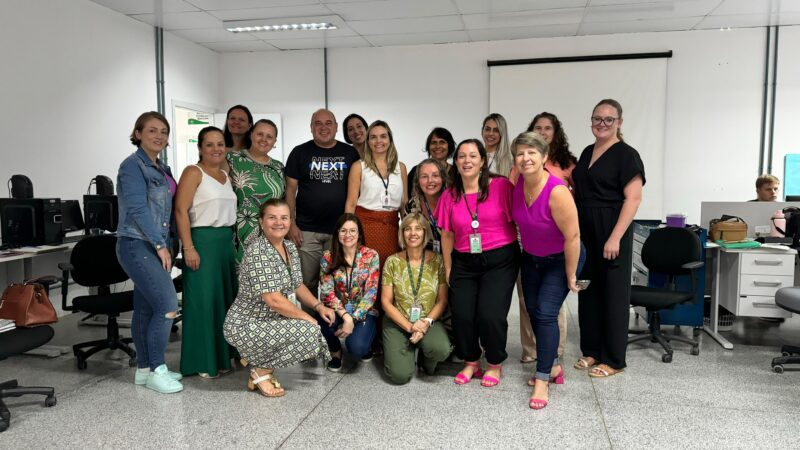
349	279
481	259
560	160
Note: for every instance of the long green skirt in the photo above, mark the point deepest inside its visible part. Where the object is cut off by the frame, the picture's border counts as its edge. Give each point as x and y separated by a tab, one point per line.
208	292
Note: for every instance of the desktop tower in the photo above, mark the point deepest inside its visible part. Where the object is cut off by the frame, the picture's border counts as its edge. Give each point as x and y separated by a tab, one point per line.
30	221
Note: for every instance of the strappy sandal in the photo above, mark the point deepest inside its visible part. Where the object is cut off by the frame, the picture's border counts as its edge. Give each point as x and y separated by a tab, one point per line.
583	363
252	383
490	381
604	371
476	373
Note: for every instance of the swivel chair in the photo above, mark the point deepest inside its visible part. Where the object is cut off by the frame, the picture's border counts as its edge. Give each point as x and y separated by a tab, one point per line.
787	298
673	252
94	264
15	342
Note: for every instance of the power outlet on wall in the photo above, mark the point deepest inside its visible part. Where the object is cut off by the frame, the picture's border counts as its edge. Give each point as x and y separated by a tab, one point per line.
763	230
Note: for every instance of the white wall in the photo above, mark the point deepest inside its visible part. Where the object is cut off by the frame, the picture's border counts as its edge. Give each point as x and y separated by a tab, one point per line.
289	83
75	77
714	86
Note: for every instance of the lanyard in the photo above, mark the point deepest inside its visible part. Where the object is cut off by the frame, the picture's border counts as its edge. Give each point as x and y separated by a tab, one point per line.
288	262
430	214
474	224
384	183
349	277
415	290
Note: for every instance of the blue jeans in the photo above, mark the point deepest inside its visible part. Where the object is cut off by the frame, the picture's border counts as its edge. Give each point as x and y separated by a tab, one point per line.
153	298
359	343
544	285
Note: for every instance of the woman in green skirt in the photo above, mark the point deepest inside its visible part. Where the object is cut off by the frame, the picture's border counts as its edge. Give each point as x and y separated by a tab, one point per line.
205	211
256	178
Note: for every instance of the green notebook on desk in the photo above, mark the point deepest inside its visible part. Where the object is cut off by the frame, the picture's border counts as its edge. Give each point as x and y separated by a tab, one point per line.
739	244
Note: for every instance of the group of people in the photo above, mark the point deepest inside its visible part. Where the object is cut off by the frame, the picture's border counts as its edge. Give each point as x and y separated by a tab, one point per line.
344	243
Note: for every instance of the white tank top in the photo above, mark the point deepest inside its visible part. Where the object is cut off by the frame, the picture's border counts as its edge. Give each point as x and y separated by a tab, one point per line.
373	189
214	203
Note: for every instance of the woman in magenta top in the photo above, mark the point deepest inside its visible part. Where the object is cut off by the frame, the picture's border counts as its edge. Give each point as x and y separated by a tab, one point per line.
545	213
481	259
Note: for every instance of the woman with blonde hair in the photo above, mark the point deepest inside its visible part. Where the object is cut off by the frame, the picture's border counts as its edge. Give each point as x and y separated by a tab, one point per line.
495	139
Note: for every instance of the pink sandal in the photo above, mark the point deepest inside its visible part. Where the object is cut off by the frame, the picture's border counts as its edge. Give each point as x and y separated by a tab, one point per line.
558	379
463	379
490	381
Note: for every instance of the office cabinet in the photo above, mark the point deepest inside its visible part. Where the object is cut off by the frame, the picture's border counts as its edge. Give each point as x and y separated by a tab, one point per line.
748	280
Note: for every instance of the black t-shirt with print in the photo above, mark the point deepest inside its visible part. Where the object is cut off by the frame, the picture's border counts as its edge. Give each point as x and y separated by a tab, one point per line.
321	175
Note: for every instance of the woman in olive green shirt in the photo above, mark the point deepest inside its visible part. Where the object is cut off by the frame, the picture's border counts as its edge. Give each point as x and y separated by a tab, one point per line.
414	296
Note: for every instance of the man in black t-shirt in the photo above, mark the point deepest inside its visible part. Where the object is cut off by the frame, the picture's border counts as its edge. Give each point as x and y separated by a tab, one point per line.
316	189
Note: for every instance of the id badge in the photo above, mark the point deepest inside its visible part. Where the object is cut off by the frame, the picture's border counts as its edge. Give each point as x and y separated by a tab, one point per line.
385	201
475	243
414	313
292	298
349	308
437	247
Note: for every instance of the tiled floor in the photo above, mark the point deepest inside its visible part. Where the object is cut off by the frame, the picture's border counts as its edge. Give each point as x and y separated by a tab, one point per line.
719	399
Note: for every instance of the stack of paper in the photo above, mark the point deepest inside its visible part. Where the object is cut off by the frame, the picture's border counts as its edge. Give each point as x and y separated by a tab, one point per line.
7	325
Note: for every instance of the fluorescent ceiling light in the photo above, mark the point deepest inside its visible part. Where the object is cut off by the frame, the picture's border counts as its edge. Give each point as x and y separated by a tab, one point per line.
284	24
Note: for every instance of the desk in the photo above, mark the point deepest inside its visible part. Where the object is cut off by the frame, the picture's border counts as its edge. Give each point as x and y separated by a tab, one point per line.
745	281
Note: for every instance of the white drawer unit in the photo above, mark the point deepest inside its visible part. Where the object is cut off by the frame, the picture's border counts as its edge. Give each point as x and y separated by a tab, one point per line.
749	279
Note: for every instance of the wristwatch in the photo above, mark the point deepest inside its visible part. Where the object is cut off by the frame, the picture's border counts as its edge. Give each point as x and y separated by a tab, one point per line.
429	320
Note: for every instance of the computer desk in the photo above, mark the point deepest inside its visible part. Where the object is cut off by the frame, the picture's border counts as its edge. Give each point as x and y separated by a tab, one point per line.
728	279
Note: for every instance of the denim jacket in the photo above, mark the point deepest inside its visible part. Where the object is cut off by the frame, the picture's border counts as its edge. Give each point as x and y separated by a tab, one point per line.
145	203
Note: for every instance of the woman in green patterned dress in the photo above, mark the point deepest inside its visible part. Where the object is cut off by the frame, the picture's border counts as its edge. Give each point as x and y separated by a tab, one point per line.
256	178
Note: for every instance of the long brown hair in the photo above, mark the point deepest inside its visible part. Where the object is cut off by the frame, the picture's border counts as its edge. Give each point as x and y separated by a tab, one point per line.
559	148
337	252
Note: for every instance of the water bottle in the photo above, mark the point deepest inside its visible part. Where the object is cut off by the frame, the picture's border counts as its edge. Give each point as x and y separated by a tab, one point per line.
778	224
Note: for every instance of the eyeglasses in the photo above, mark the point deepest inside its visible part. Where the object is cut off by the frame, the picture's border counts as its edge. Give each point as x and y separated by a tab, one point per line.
607	121
353	231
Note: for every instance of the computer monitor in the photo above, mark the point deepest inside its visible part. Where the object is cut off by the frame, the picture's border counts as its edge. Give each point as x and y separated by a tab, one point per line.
71	216
18	216
101	212
793	198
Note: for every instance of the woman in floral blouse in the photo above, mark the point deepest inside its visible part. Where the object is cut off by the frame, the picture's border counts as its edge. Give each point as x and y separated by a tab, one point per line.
349	278
256	178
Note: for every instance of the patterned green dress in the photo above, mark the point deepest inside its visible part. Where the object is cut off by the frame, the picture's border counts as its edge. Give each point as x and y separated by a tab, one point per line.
254	183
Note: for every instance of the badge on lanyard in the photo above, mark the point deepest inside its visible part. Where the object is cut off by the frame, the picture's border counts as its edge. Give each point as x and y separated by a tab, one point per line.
413	313
385	200
292	298
475	243
437	246
385	197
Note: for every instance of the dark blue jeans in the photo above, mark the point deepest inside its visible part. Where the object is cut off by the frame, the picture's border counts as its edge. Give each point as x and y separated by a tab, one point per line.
359	343
153	298
544	285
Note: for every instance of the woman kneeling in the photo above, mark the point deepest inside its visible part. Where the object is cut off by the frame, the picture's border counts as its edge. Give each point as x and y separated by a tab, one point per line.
414	296
265	322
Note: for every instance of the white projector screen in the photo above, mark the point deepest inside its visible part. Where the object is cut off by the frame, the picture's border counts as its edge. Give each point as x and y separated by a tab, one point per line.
571	89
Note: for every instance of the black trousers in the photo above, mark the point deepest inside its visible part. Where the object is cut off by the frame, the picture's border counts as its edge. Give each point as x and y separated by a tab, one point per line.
604	308
481	286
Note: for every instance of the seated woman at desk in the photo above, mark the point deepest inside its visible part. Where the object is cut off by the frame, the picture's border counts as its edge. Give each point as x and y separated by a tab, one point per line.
265	322
767	187
414	296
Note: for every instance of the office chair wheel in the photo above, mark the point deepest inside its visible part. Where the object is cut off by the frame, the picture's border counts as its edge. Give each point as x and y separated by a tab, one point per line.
50	401
81	363
694	351
696	332
778	368
131	362
667	358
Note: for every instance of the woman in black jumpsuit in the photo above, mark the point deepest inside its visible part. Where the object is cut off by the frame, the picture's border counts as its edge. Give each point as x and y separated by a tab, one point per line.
608	189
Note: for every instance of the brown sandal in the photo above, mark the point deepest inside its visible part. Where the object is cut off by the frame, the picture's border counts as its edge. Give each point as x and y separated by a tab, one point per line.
252	383
604	371
583	363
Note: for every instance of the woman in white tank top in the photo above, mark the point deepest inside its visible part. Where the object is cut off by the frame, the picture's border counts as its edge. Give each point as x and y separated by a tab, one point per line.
205	211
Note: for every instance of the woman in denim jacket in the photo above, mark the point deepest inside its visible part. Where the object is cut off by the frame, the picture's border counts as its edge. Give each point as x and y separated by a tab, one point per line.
145	188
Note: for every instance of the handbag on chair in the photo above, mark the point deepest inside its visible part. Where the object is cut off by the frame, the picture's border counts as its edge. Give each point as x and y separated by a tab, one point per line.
27	305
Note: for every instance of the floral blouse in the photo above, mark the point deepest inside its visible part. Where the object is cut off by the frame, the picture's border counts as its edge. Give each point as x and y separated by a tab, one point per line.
364	290
254	183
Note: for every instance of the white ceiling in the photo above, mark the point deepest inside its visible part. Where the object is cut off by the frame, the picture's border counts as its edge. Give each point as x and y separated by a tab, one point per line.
377	23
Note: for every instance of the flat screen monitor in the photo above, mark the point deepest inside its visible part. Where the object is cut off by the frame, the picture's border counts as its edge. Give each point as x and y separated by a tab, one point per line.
18	216
71	216
793	198
101	212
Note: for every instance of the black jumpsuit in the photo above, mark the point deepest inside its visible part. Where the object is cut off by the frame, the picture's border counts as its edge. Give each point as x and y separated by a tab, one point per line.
604	308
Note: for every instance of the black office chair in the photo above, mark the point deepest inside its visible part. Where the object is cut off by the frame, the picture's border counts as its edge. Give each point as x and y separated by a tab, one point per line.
673	252
787	298
15	342
94	264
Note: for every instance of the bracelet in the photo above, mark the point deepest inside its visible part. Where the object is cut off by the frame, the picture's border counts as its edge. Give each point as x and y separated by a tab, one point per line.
188	248
317	305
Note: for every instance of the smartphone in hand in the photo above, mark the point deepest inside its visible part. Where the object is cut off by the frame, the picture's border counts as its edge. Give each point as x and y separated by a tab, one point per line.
583	284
